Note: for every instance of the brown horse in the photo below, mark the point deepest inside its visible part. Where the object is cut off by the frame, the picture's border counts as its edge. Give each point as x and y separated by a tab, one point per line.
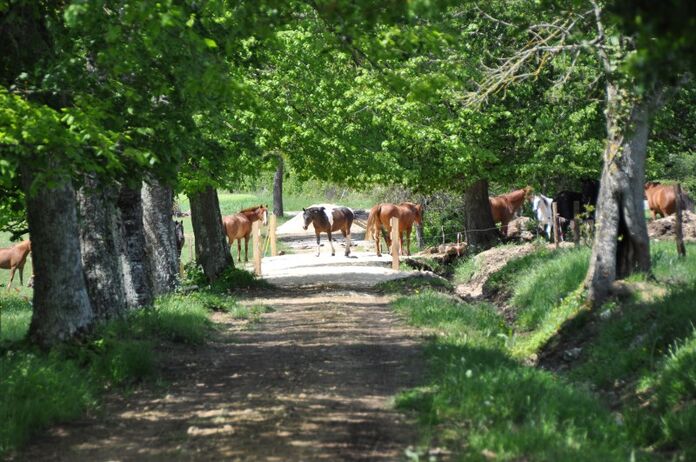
662	199
14	258
329	220
238	226
380	217
503	207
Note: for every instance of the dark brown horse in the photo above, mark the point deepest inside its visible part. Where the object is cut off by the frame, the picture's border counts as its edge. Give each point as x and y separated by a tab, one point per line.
13	258
503	207
380	218
238	226
326	220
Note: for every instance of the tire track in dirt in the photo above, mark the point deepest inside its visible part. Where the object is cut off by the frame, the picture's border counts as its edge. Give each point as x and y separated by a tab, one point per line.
312	380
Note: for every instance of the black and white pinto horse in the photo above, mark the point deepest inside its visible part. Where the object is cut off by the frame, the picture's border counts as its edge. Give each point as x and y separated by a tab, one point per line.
541	205
327	219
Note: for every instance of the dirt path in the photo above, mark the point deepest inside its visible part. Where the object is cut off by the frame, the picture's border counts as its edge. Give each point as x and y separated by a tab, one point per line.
313	380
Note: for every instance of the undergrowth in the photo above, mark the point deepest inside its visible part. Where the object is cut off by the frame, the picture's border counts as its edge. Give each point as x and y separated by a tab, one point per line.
484	404
230	280
40	388
630	392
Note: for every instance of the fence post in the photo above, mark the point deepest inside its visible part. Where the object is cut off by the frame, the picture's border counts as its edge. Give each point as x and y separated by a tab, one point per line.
576	223
442	231
678	232
272	233
192	257
395	243
554	216
256	233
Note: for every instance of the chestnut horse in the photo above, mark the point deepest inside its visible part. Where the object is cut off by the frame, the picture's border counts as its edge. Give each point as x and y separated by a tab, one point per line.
329	220
380	217
14	258
662	199
238	226
503	207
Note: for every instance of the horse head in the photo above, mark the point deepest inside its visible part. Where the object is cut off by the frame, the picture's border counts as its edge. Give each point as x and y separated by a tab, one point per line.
262	213
419	214
309	214
528	191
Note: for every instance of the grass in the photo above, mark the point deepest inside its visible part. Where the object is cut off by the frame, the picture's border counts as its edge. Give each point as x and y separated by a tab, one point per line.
484	401
483	404
40	388
414	285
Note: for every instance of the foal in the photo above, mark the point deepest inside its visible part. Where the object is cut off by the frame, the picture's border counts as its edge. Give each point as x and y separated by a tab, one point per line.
14	258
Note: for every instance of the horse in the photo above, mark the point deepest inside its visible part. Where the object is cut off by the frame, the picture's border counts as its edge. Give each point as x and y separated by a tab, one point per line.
238	226
380	217
663	200
13	258
541	205
327	221
565	204
504	207
180	238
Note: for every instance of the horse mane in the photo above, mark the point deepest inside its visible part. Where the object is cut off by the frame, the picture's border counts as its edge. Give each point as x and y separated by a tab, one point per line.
252	209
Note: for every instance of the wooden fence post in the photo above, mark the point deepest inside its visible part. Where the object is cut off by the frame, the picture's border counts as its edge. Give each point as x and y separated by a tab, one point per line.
442	231
192	257
272	233
395	243
576	223
256	233
678	232
554	217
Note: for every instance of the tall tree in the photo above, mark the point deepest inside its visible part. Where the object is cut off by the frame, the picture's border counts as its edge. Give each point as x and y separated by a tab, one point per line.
278	189
160	238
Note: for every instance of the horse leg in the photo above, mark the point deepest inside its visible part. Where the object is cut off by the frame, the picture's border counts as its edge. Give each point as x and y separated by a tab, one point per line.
21	274
408	242
318	240
239	250
378	239
333	251
246	249
347	236
12	272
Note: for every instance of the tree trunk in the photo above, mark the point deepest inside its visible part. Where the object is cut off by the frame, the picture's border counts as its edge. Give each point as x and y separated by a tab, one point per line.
278	189
160	237
419	237
134	262
621	243
481	233
61	304
212	251
101	244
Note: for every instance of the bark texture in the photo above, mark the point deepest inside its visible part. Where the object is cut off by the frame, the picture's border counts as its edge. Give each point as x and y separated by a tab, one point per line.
101	245
160	237
621	243
61	304
481	232
278	189
212	251
134	262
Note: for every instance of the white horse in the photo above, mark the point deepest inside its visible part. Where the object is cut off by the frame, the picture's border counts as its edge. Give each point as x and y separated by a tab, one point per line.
541	205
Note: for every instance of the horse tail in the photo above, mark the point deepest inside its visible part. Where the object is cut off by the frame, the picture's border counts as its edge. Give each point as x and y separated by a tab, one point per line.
371	219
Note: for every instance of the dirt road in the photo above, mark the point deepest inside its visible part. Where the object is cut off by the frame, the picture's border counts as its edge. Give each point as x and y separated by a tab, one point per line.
312	380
